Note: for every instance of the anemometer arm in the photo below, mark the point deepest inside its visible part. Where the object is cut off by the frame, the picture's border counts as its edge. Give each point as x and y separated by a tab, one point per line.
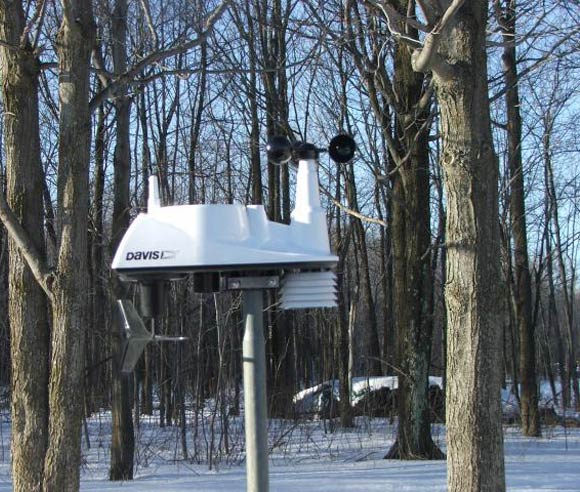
309	227
280	150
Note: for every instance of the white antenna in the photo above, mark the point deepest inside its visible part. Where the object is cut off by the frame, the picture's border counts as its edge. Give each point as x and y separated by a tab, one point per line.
153	200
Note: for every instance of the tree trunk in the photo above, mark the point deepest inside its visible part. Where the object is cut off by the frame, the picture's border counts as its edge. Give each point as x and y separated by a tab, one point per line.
5	359
409	229
342	243
27	309
272	20
413	280
195	132
474	434
147	383
69	295
123	439
98	323
122	443
523	285
386	276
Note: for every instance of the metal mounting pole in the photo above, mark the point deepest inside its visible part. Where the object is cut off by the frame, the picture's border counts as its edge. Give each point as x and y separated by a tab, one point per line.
255	413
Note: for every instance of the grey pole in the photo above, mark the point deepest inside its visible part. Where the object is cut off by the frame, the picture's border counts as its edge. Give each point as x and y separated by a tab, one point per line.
255	406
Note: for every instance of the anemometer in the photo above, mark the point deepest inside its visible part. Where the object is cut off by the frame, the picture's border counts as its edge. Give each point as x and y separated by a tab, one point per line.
234	247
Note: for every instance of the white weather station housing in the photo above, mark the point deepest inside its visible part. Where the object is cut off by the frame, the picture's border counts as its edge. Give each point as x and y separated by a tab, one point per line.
235	247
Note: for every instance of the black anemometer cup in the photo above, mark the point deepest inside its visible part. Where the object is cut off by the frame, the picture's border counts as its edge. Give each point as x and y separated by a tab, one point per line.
341	148
279	150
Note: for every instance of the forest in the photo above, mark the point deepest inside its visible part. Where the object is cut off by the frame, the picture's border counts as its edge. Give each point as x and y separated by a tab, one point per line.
455	224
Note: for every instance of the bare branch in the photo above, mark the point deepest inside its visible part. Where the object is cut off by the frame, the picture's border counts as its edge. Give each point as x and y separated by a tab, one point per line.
43	275
408	19
99	63
215	15
158	56
149	21
423	58
427	58
533	66
394	19
358	215
448	15
426	98
38	14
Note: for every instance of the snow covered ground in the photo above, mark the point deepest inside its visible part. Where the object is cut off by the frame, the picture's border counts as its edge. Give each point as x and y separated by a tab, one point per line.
307	456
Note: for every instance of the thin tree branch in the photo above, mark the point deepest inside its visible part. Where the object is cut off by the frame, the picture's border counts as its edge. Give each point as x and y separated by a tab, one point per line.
160	55
38	14
394	19
358	215
349	211
149	21
43	275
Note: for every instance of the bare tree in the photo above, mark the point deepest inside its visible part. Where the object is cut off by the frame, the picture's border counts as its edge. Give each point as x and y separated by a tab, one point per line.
67	287
66	284
454	53
27	309
413	276
506	17
568	356
123	439
402	94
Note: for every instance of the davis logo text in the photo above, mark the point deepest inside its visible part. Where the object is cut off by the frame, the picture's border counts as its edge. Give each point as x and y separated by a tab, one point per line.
150	255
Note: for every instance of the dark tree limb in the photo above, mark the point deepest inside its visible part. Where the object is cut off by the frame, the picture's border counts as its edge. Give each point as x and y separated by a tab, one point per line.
42	273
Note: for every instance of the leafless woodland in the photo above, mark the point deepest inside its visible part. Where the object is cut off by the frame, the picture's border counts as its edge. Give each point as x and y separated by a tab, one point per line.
456	224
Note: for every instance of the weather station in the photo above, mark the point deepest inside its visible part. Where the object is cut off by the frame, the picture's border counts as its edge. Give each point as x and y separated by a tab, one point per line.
234	247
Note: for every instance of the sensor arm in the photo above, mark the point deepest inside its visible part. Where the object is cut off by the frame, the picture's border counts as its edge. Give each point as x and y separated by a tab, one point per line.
280	151
135	336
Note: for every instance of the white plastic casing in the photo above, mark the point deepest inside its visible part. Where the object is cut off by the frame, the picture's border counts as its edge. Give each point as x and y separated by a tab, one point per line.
227	237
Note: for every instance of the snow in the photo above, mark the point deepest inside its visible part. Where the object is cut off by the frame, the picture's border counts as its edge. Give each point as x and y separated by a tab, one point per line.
307	456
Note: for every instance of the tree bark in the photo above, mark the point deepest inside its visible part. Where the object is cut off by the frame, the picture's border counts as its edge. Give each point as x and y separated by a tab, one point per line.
69	295
5	358
523	285
27	309
474	434
123	439
413	279
99	322
342	243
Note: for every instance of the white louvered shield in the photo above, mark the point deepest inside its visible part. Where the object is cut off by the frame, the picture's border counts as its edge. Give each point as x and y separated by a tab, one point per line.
308	290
